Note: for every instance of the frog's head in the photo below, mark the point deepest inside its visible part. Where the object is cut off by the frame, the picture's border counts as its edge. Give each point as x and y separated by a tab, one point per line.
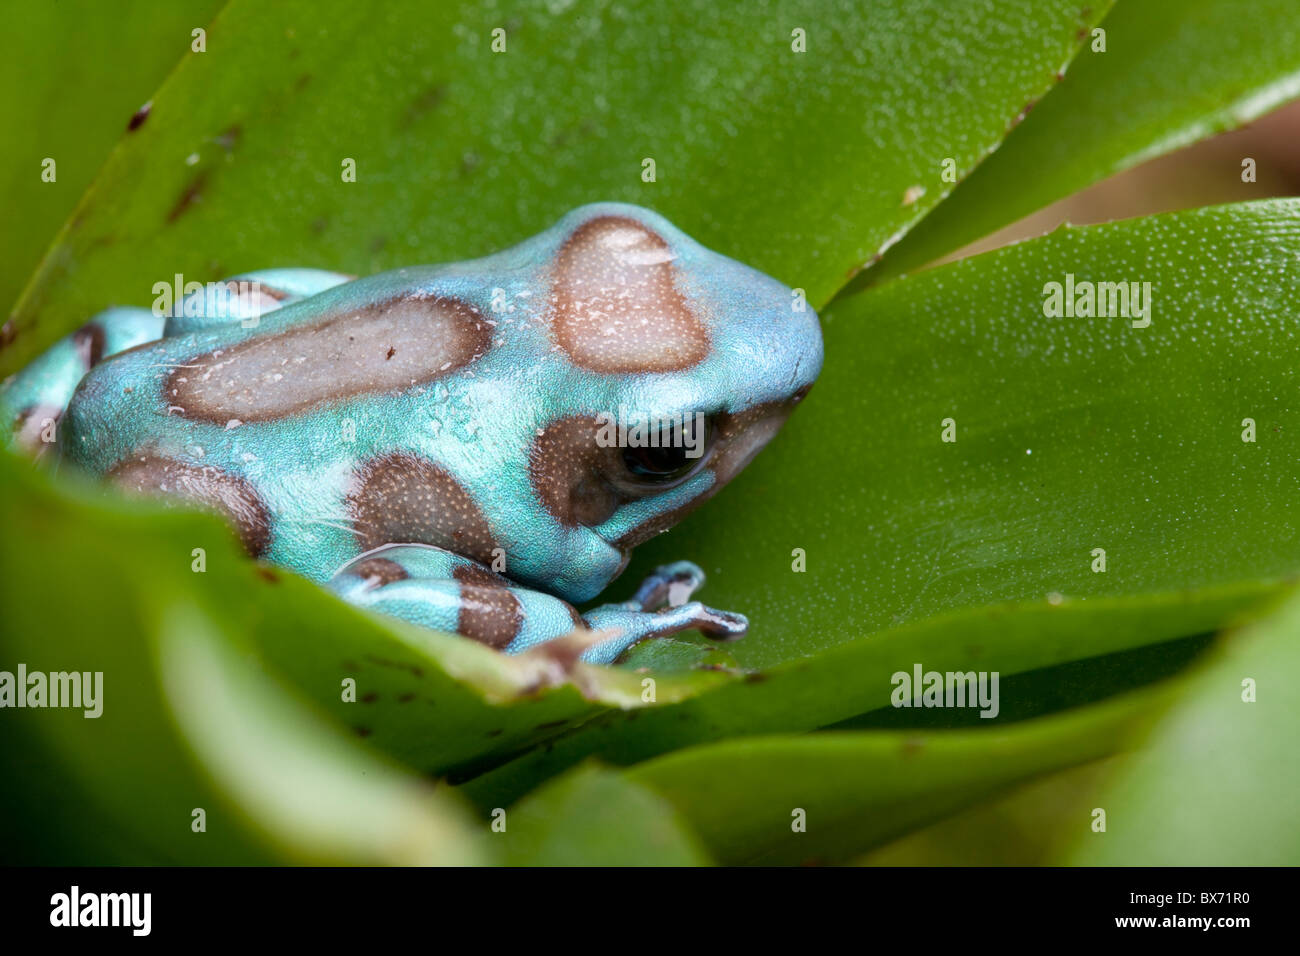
679	366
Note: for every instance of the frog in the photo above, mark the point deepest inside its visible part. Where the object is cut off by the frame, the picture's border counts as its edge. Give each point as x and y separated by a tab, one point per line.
474	447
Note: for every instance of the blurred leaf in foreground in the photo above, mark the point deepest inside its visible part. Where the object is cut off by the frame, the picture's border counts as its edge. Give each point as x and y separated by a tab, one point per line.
1216	783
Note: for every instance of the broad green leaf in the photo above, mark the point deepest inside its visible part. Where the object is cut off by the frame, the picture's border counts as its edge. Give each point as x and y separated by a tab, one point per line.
53	61
855	679
187	720
1047	690
855	790
1216	783
313	795
1025	827
1171	74
596	817
800	164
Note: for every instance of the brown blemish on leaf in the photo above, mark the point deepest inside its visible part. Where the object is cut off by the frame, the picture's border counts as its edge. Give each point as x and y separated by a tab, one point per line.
1025	112
138	117
369	698
426	102
191	195
229	138
396	665
268	575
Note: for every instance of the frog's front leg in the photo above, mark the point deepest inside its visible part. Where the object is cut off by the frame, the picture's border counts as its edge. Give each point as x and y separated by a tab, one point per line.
661	607
446	592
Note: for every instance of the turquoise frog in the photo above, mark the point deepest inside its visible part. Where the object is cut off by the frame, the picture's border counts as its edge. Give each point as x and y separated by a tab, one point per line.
473	447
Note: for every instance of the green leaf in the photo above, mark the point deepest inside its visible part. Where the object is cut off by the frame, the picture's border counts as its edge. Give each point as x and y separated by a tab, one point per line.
53	62
312	794
1171	74
799	164
1023	827
187	721
853	679
1216	784
595	817
859	789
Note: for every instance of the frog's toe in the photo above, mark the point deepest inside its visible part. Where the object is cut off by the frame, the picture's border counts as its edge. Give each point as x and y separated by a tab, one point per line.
671	585
712	623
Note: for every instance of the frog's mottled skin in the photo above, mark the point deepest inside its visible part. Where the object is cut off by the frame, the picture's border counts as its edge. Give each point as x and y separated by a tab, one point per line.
399	436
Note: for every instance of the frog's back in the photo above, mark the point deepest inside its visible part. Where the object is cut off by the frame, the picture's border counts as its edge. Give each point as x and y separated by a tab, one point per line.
299	425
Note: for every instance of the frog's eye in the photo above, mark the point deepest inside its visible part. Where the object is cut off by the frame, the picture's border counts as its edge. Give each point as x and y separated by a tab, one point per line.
670	459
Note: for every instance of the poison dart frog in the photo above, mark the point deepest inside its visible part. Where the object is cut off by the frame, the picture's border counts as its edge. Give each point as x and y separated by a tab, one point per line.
474	447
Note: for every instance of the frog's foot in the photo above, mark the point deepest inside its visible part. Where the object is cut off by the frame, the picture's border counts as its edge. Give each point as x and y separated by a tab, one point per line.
671	585
627	626
692	616
659	609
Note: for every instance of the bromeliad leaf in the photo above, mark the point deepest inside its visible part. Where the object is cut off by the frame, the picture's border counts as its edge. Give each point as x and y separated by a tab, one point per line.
595	817
791	142
1216	783
61	117
827	797
1169	74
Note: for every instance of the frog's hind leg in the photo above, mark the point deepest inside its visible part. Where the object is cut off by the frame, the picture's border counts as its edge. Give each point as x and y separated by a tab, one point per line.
33	401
